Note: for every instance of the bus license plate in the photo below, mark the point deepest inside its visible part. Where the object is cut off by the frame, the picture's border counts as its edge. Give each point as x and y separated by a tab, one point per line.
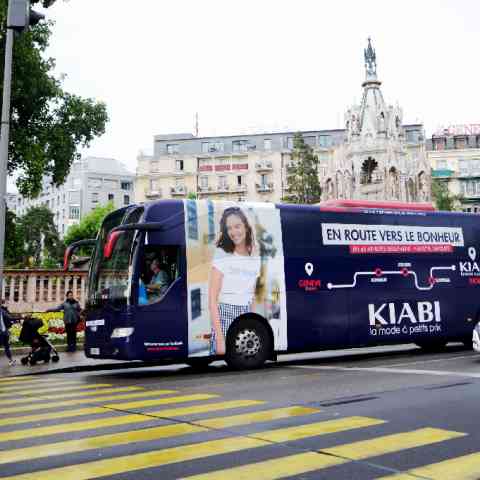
94	351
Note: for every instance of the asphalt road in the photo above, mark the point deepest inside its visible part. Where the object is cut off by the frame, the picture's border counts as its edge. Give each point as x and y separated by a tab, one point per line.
389	413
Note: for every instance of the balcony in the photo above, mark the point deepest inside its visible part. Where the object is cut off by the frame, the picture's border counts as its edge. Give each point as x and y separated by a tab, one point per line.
153	193
179	190
239	188
223	189
290	165
264	187
263	166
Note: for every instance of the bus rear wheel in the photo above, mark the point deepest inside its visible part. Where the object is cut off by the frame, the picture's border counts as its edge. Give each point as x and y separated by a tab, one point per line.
248	345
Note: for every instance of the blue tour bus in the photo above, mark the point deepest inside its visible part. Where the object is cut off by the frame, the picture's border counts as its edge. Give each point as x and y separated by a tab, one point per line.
195	280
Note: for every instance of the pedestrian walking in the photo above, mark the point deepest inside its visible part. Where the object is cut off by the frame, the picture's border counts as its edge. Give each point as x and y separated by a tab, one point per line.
71	317
5	324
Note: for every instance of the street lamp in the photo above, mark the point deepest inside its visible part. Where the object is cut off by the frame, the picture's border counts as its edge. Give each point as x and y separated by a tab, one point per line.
20	16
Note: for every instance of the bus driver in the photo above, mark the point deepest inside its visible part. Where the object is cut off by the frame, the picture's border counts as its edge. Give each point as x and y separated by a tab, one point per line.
233	278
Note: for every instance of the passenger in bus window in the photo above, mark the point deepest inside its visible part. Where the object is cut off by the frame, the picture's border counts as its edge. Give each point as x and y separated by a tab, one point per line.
235	269
159	283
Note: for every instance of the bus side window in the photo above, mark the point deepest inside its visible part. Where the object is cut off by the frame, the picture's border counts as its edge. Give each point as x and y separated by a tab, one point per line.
159	270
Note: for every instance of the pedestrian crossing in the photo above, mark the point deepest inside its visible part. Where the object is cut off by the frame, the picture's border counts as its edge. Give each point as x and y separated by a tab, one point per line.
78	431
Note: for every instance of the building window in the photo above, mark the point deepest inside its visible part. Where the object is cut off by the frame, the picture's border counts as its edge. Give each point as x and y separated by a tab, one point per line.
153	185
239	146
290	142
111	197
463	167
74	213
94	183
179	165
154	167
442	164
126	186
267	144
126	199
173	148
309	141
324	141
475	165
368	173
239	180
204	182
222	183
413	136
460	142
263	180
95	197
212	147
439	143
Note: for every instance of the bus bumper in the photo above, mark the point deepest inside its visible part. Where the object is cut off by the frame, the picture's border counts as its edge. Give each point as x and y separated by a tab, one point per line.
476	338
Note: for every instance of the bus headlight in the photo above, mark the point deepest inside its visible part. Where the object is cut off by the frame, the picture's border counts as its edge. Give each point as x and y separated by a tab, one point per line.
122	332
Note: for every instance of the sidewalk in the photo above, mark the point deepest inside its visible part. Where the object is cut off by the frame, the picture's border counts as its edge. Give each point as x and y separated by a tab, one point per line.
69	362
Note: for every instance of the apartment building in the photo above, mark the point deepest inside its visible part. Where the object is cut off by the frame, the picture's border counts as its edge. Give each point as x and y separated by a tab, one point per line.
92	181
454	155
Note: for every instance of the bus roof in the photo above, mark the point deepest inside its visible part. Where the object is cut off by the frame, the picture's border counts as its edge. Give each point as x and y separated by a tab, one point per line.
353	205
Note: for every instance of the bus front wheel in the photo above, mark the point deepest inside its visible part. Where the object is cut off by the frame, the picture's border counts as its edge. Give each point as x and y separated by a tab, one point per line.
248	345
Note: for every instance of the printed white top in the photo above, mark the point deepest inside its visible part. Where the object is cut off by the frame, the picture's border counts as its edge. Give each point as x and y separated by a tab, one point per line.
240	273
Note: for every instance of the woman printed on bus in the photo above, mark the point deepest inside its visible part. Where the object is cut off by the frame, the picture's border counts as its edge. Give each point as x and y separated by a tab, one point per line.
235	269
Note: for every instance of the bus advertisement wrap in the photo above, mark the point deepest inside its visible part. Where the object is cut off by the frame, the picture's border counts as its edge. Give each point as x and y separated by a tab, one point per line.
235	267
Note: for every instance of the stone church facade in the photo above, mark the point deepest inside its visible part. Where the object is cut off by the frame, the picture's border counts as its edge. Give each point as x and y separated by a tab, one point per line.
379	159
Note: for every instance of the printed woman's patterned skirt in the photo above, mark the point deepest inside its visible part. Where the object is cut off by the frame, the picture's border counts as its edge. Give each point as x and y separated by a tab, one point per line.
228	313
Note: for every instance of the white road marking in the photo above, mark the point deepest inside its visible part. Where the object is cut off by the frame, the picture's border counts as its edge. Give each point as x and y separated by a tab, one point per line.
390	370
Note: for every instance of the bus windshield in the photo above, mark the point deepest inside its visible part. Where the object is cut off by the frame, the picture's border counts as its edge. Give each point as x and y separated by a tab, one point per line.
109	280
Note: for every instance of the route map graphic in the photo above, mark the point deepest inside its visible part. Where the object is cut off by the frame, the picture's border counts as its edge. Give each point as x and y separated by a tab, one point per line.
405	272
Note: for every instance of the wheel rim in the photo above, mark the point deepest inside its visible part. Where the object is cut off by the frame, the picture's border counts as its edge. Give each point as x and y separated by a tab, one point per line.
247	343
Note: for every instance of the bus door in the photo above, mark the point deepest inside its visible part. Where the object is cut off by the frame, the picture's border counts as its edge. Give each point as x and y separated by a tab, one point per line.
160	299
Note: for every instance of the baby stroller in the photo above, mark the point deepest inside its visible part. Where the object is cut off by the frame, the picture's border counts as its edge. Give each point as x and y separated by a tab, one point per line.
41	348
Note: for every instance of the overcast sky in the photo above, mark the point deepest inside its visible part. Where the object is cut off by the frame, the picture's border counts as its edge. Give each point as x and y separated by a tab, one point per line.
263	65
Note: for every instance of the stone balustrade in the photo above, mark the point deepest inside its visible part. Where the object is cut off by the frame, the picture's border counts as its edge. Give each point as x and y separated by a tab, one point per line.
37	290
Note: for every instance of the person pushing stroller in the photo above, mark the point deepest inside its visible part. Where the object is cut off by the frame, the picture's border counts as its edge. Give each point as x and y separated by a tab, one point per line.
40	347
71	317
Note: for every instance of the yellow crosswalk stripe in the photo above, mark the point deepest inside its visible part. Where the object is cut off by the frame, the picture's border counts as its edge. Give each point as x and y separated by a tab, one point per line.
23	386
96	410
123	420
466	467
25	378
319	428
256	417
157	458
145	435
52	416
159	401
66	388
74	394
310	461
82	401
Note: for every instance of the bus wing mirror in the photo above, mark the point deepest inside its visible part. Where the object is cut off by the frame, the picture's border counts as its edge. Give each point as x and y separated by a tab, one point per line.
111	242
69	251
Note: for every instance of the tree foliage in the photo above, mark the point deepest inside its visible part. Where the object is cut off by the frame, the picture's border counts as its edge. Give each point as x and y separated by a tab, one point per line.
40	237
303	183
13	241
48	125
89	225
442	197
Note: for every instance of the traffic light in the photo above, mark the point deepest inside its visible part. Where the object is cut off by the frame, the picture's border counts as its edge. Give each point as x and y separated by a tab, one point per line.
21	16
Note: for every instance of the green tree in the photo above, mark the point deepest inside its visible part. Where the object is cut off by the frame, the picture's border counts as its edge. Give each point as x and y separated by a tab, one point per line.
442	197
302	177
48	125
13	241
89	225
40	237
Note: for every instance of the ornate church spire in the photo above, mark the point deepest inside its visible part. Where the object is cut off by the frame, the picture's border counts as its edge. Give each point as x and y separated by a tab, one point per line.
370	61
